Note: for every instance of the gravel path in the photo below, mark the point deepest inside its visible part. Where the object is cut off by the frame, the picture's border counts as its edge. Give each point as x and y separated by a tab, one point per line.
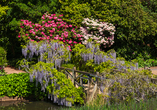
10	70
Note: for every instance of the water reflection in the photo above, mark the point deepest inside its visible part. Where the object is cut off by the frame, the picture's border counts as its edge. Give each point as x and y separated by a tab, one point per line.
37	105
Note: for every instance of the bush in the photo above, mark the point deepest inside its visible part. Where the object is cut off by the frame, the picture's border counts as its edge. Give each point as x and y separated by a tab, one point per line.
19	85
3	60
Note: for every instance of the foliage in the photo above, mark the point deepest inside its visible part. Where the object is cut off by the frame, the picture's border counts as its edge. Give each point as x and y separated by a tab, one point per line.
132	105
51	27
2	11
18	85
52	52
133	85
116	86
3	55
133	24
21	9
2	72
149	5
50	55
60	85
90	58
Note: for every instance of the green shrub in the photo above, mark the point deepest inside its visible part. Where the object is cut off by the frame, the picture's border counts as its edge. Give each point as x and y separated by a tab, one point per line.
19	85
3	54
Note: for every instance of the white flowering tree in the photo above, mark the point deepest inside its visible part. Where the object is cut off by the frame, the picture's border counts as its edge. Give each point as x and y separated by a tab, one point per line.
99	32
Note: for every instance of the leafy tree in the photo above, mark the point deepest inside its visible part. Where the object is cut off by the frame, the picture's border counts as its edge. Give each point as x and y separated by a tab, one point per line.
2	10
21	9
134	25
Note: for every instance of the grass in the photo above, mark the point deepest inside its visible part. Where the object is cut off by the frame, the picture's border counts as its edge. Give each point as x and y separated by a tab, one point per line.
150	104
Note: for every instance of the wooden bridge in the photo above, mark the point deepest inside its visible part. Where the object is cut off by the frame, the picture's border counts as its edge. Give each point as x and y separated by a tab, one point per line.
91	88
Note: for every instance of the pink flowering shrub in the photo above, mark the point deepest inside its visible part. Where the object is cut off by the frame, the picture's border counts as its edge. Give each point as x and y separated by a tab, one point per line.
51	27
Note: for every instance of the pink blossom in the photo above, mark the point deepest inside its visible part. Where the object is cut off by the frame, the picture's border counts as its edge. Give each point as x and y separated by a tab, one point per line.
50	34
28	37
22	26
48	37
70	25
70	42
69	46
49	21
32	40
55	18
75	42
61	15
74	36
54	25
57	36
53	29
43	22
26	34
50	17
42	17
62	25
42	33
59	19
78	35
33	33
19	36
63	40
80	39
79	42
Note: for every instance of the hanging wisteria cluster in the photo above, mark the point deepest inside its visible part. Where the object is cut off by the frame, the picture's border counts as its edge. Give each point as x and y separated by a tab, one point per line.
99	57
43	76
52	54
136	86
48	52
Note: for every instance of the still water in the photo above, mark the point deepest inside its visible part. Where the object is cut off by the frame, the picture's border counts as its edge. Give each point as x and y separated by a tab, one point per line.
36	105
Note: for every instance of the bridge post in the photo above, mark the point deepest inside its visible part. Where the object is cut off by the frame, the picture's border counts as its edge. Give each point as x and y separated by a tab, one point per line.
74	76
95	89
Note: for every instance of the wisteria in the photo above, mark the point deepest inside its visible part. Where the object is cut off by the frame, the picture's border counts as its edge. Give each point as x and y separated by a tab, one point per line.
55	50
24	51
52	52
98	57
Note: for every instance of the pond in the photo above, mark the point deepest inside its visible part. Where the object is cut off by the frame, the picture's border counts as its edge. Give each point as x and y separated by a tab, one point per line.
33	105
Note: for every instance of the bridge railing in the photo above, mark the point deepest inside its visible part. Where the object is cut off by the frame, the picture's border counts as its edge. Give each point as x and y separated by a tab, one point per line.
74	78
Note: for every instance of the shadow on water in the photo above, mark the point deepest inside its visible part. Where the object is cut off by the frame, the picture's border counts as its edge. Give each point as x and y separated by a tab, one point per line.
33	105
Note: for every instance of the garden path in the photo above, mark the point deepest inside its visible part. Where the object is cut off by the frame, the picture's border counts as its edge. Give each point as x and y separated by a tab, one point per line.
10	70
